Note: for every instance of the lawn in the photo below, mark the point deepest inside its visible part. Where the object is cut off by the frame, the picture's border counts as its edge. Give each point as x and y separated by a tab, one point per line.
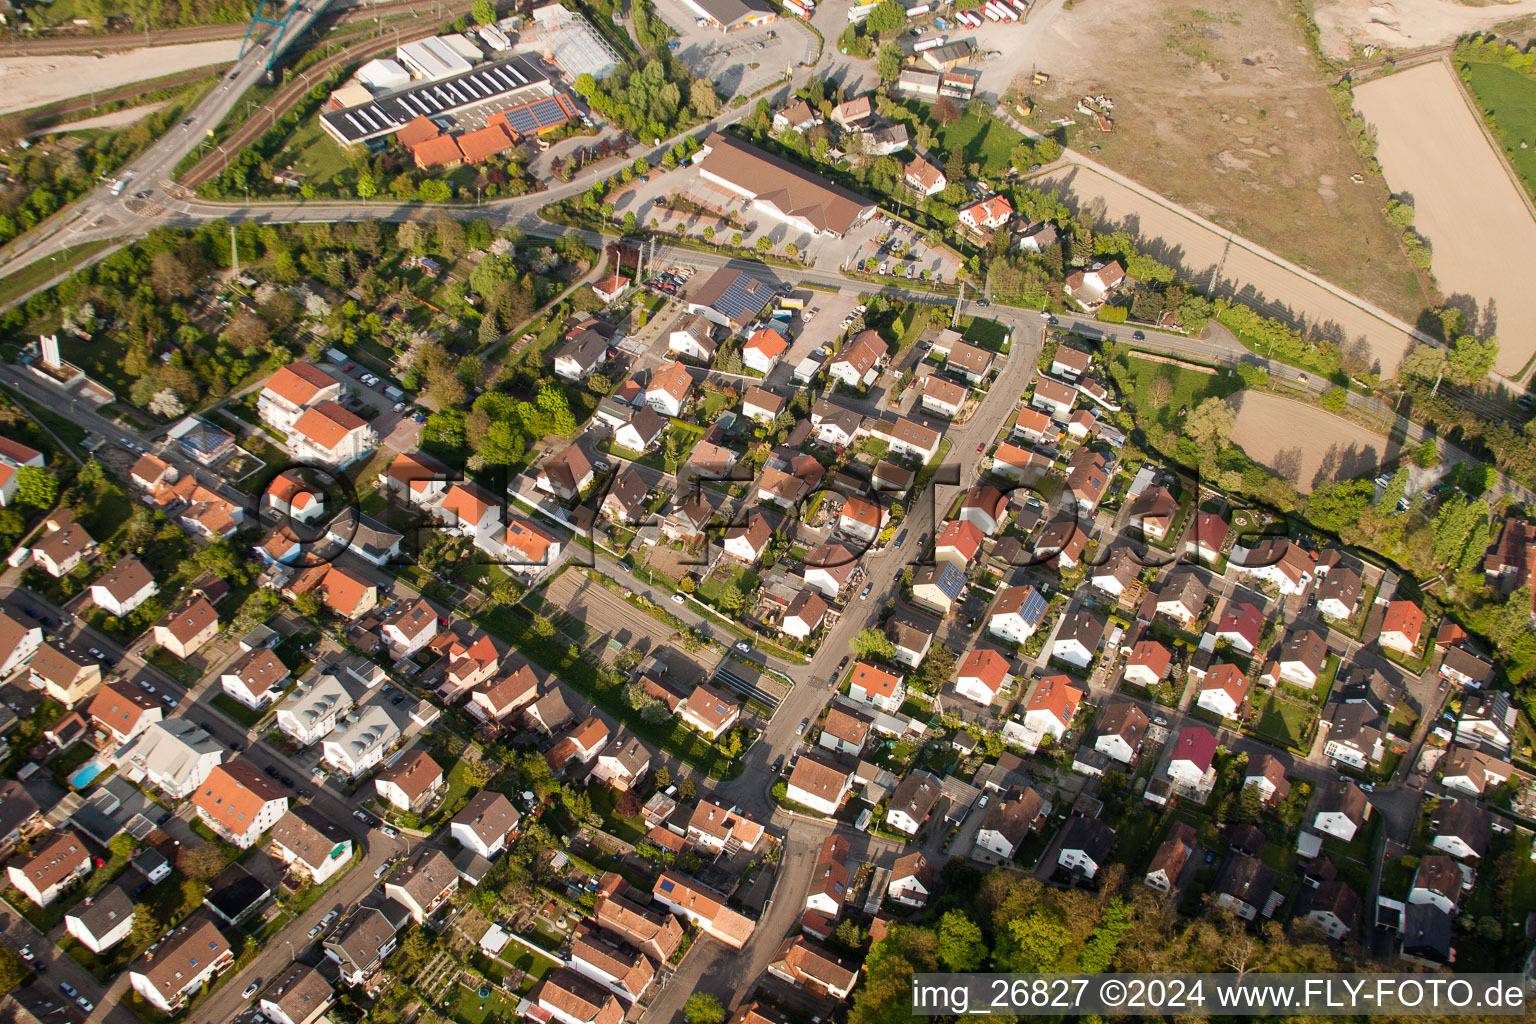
605	800
983	140
471	1009
1283	721
312	153
987	334
236	711
742	578
1508	100
1188	388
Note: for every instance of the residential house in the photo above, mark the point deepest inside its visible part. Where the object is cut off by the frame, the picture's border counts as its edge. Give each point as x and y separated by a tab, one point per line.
1048	712
943	398
804	616
1205	537
588	344
714	828
582	744
987	214
762	351
911	882
1194	751
1089	288
709	711
624	970
818	783
1087	478
409	628
911	639
938	588
173	756
1054	398
311	845
1439	882
828	567
1267	774
255	679
835	425
1009	821
123	588
1245	886
746	540
49	867
984	507
1078	638
423	883
912	802
1338	595
298	995
622	764
181	963
692	337
1036	427
861	519
1017	613
730	298
331	435
656	935
1223	690
569	997
610	288
1402	627
908	439
292	390
1286	566
762	406
410	781
1461	829
1182	598
309	715
101	921
19	641
1152	512
1120	731
982	675
62	548
669	388
1085	845
1335	910
65	674
858	364
122	711
1340	809
1242	626
416	479
1171	856
689	519
877	688
924	178
1070	362
691	899
814	969
486	824
239	803
845	731
1302	658
364	938
1466	667
1356	735
567	474
624	501
370	733
1427	935
1148	663
1469	770
188	626
958	543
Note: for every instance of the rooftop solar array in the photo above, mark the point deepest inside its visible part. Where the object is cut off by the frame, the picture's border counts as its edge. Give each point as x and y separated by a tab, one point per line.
744	299
387	114
537	116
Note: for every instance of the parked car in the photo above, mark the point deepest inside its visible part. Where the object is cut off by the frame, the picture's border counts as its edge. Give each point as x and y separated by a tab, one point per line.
378	872
865	592
26	953
287	781
804	724
315	931
325	921
68	989
273	773
250	990
743	646
679	599
389	831
84	1004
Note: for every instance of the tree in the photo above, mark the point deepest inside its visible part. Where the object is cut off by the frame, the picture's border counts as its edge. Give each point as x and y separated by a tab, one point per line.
1393	493
36	487
1159	392
702	98
1427	455
687	789
1427	363
961	945
1210	426
872	643
889	62
201	862
938	667
483	11
478	771
1470	359
663	777
367	188
702	1008
764	243
888	17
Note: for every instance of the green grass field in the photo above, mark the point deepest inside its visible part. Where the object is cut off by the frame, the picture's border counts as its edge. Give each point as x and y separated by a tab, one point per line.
983	140
1511	98
1283	721
1188	388
312	153
984	333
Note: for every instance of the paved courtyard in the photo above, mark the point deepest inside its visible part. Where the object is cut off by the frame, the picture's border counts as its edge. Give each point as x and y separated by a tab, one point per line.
741	62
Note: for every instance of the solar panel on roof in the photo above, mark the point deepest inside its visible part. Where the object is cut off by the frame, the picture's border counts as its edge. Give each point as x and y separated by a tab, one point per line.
521	120
666	885
547	112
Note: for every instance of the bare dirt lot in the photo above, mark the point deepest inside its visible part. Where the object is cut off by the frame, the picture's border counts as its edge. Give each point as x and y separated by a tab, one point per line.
1221	107
32	81
1345	27
1432	149
1302	443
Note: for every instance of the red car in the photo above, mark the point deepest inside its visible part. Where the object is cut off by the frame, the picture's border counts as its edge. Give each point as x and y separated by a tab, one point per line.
981	447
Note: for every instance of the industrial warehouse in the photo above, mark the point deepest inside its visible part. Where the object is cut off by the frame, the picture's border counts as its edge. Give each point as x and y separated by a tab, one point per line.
514	86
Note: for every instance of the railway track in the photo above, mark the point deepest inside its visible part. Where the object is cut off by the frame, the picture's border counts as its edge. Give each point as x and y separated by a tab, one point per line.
194	33
257	125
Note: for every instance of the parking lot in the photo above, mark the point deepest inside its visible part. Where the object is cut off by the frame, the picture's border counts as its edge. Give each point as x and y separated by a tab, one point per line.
741	62
874	239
